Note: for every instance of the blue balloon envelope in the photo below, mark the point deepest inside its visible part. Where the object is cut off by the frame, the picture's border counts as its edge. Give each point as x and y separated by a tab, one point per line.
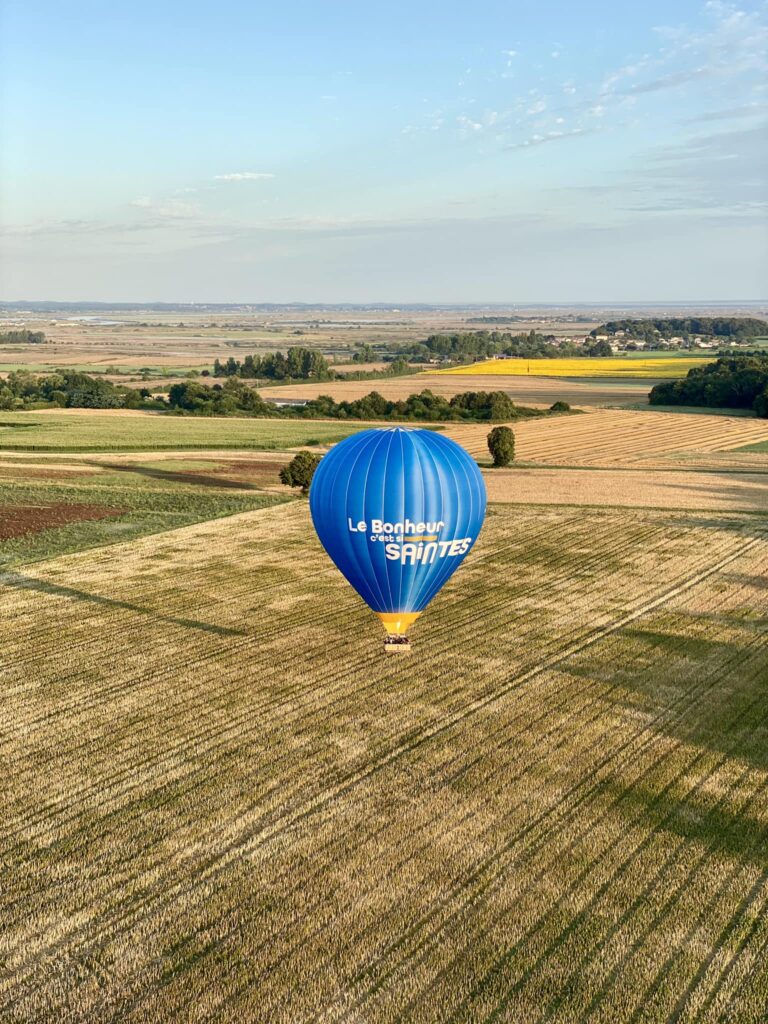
397	510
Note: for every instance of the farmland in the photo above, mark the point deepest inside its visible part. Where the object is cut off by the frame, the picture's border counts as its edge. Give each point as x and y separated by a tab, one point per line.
48	509
82	430
566	823
673	489
224	804
523	390
619	437
618	367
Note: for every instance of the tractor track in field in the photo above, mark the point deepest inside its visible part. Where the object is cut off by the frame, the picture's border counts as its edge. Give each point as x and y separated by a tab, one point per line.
242	845
209	740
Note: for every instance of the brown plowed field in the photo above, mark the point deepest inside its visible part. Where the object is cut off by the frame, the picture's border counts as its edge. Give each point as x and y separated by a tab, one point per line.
229	473
20	520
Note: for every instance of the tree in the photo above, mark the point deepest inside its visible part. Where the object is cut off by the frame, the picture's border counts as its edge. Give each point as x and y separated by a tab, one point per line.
300	470
365	353
760	404
501	445
7	399
600	348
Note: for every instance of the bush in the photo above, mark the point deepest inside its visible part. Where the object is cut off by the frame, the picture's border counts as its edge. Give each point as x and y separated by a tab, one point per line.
560	407
300	470
501	445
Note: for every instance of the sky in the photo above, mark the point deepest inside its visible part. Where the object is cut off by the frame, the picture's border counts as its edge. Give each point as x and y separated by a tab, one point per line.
514	152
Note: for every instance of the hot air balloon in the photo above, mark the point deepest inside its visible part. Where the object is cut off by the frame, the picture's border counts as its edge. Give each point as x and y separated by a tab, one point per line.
397	510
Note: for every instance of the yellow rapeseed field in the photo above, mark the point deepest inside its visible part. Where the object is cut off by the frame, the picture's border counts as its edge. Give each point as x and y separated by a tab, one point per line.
650	368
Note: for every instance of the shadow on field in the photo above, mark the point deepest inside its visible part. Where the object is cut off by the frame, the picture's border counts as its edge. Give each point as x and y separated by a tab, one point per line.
19	581
704	691
179	476
750	497
748	525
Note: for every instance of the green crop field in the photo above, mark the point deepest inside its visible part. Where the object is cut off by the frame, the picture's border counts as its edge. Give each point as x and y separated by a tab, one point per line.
80	431
222	802
41	518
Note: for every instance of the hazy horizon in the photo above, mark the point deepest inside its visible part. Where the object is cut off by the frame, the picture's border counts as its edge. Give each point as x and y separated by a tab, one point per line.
386	305
337	154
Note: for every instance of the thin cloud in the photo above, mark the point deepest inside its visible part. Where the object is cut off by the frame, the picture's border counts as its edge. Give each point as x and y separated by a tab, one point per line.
556	136
244	176
668	81
173	209
730	113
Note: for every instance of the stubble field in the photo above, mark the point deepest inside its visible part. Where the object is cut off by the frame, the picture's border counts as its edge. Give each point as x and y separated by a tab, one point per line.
223	803
541	391
618	437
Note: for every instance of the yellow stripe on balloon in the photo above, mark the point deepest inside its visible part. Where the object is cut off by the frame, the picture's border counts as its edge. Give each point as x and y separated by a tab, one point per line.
397	623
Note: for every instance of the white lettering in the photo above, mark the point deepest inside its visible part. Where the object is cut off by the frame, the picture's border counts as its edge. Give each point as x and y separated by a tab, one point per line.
405	527
430	550
408	554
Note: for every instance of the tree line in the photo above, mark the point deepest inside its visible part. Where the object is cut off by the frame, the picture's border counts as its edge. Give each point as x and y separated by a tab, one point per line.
234	398
301	363
732	328
297	364
70	389
467	346
22	337
732	382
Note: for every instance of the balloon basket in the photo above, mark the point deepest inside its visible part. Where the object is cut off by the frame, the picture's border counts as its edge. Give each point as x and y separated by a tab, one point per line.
397	644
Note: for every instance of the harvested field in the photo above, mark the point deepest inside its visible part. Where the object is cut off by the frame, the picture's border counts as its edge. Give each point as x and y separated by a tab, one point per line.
536	391
20	520
615	437
556	810
737	460
630	489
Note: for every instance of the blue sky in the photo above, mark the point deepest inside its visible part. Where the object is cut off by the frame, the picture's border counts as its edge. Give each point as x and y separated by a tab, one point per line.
519	151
